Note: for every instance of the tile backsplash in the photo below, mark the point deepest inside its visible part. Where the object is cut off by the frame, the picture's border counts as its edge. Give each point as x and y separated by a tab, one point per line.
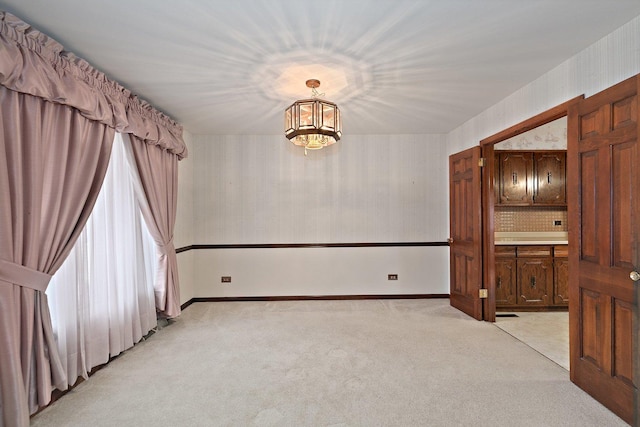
517	218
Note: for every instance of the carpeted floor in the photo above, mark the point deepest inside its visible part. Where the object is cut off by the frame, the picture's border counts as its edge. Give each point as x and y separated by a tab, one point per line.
328	363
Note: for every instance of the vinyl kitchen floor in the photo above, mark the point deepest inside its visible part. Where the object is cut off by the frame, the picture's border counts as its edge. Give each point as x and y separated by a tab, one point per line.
545	332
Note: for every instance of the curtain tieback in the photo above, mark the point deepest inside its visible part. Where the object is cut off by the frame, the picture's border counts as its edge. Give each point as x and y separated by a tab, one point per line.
164	248
23	276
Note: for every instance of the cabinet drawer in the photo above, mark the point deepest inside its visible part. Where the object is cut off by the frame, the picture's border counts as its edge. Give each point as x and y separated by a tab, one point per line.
535	251
505	251
561	251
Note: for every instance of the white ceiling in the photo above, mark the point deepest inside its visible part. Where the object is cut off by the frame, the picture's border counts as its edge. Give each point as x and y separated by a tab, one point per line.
393	66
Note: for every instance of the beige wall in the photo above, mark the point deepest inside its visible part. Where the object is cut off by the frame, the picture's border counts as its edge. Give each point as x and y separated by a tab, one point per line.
365	189
611	60
260	189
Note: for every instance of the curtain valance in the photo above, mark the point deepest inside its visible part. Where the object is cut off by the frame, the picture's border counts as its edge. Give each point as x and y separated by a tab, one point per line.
33	63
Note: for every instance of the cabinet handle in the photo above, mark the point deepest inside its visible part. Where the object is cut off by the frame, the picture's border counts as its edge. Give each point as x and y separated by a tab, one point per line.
548	177
514	178
533	282
499	282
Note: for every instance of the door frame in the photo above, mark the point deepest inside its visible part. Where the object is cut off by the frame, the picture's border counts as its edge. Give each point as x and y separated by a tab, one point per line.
488	195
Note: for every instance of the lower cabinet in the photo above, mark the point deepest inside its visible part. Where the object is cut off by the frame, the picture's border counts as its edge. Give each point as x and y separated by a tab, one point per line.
531	276
505	275
561	275
535	280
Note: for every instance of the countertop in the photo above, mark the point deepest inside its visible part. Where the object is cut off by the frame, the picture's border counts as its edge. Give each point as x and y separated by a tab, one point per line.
531	238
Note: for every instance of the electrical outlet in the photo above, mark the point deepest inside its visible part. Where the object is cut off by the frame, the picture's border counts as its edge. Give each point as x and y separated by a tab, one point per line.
226	279
392	277
557	222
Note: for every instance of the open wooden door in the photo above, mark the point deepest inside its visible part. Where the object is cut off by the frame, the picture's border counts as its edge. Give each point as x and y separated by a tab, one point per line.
465	222
604	194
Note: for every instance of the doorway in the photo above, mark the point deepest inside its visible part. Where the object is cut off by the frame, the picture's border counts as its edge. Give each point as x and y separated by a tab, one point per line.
530	216
509	138
602	177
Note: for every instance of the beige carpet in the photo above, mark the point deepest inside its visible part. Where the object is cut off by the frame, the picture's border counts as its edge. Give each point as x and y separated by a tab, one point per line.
328	363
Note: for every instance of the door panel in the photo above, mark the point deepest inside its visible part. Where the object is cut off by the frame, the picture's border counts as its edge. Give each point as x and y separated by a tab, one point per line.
588	190
622	365
622	191
465	232
603	149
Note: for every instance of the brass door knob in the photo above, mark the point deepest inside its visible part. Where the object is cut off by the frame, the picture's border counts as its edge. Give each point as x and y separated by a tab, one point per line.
450	240
634	275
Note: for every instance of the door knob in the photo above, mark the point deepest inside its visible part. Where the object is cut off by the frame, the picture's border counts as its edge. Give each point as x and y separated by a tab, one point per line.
634	275
450	240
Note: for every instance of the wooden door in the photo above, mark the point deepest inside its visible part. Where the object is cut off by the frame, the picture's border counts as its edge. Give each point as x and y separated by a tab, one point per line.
465	222
603	161
550	178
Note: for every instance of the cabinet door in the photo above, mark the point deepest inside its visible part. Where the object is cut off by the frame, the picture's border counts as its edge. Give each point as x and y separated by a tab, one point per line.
515	179
535	278
561	281
505	281
550	178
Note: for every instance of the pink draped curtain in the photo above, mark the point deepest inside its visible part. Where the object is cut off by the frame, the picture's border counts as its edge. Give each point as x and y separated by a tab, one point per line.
33	63
58	116
158	170
52	163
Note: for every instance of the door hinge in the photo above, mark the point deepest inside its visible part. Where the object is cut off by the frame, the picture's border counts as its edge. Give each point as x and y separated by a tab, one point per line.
481	162
484	293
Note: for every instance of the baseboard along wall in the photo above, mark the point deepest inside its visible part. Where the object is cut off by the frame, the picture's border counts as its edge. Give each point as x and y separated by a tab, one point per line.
309	298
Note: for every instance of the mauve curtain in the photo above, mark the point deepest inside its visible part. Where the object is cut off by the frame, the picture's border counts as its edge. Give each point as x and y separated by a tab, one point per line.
102	299
46	178
52	163
158	170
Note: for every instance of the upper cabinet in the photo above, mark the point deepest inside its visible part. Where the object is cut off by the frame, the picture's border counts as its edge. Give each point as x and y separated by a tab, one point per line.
515	178
550	176
531	178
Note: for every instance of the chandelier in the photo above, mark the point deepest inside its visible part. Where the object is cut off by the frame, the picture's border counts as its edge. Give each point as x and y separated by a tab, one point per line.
313	123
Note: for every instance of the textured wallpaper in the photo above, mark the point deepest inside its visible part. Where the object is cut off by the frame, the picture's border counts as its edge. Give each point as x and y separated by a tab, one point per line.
610	60
552	136
374	188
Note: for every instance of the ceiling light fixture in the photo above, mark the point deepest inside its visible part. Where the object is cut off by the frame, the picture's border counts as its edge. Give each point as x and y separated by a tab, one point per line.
313	123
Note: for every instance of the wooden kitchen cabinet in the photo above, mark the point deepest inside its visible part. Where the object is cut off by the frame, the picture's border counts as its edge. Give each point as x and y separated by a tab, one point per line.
531	178
531	277
505	275
535	275
561	275
515	178
550	178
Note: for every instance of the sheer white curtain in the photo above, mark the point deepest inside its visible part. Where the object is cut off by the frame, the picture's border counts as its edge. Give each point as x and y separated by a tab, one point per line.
102	299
